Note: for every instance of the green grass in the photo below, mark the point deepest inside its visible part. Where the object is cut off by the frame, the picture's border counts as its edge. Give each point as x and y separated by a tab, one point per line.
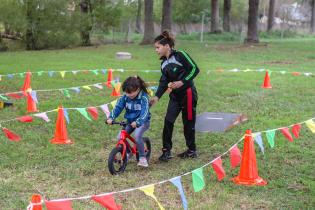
34	165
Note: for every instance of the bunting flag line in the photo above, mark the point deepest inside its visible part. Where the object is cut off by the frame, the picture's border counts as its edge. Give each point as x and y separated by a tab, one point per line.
294	73
64	91
63	73
103	71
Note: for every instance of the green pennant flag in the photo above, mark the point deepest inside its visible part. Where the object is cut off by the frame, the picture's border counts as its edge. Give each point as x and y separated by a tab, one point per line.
270	137
113	83
4	98
95	71
198	182
269	73
40	73
84	113
66	93
21	75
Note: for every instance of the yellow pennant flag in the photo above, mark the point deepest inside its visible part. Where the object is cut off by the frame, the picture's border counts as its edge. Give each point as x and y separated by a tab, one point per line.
150	92
117	87
62	73
0	77
311	125
86	87
113	103
149	190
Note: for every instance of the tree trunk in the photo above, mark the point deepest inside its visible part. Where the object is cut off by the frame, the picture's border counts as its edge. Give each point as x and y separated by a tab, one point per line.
271	14
138	20
252	34
313	17
85	7
166	15
148	22
215	16
226	15
29	35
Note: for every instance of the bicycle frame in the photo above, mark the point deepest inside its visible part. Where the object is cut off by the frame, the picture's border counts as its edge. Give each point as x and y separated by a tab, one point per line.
123	140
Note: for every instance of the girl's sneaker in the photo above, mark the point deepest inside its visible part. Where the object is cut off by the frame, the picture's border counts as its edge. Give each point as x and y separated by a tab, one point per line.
143	162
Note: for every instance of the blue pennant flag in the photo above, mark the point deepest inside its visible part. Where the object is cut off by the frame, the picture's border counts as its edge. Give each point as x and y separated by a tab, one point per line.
104	71
177	182
34	96
76	89
51	73
65	113
259	141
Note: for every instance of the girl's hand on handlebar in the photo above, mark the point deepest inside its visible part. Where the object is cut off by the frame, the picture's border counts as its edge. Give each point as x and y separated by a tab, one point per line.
133	124
109	121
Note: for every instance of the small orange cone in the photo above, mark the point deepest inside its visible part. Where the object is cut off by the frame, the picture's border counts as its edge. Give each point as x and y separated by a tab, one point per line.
248	174
266	84
116	91
109	78
36	202
31	104
61	136
27	83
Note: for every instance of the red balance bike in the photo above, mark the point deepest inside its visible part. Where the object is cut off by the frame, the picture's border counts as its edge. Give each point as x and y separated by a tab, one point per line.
118	158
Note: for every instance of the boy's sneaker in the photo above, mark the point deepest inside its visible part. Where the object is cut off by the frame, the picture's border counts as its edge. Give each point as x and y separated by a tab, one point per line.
166	155
188	154
143	162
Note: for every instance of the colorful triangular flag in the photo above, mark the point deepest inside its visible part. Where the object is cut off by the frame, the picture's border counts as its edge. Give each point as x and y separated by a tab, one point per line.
197	178
177	182
218	168
149	191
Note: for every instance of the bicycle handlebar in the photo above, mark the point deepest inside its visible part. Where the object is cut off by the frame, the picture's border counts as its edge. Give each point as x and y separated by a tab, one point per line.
122	123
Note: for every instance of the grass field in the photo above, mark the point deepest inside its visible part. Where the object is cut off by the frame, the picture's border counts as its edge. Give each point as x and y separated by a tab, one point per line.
34	165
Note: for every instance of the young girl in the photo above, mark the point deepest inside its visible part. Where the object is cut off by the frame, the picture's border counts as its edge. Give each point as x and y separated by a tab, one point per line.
178	71
136	102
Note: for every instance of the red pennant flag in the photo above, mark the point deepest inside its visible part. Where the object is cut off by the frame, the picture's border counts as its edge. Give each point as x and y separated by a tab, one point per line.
107	201
296	130
93	112
10	135
235	156
287	134
217	167
296	73
58	205
25	119
15	95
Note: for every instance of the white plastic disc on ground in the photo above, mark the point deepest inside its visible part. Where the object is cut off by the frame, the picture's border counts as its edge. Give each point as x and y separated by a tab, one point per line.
123	55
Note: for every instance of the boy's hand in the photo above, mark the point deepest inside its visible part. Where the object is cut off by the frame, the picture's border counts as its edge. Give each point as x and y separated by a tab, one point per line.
153	100
176	84
109	121
133	124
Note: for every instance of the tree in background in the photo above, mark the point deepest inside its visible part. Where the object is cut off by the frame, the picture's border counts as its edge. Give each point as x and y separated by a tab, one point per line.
313	16
215	16
226	15
271	14
148	22
166	15
252	32
138	20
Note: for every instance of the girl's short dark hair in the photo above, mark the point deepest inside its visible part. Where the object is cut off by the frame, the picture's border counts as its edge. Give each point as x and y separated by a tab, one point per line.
132	84
165	38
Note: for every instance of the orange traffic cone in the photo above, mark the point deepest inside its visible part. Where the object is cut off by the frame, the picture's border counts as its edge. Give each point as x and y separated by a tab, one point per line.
36	203
27	83
116	91
31	104
61	136
109	77
248	174
266	84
